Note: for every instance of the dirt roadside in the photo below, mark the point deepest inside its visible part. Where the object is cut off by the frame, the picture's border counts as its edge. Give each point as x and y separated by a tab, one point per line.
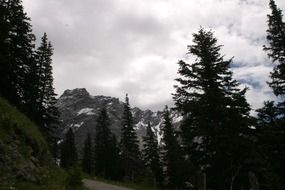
98	185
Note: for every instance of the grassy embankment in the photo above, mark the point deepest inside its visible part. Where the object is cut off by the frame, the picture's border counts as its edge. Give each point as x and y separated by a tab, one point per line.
25	161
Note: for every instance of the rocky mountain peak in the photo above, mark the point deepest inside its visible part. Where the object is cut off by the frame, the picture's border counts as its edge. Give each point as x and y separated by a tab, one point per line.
75	93
79	111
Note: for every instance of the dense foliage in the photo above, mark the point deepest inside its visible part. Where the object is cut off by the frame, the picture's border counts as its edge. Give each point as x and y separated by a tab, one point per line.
106	150
271	118
26	72
216	126
68	155
87	158
151	156
130	153
172	157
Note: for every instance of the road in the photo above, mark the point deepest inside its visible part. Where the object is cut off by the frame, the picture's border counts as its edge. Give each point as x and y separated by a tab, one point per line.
98	185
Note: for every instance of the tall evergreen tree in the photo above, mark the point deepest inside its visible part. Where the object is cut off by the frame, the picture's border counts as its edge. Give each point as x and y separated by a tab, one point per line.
42	91
172	156
106	151
151	155
16	52
130	153
271	118
26	75
216	114
270	135
68	153
276	48
87	160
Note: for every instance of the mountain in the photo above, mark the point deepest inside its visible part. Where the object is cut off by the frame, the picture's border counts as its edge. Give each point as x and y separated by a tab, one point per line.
79	111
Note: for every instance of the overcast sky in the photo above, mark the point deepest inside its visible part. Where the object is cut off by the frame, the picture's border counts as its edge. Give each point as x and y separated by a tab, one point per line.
111	47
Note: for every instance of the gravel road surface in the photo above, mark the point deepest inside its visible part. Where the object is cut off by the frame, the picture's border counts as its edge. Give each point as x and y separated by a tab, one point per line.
98	185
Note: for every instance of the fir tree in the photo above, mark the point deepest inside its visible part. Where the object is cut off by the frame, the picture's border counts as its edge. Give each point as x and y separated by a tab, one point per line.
276	48
68	153
216	115
130	153
172	156
270	138
106	151
151	155
47	114
268	115
16	53
271	118
87	160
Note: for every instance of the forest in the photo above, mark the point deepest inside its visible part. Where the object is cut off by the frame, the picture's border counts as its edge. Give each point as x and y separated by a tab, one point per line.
219	144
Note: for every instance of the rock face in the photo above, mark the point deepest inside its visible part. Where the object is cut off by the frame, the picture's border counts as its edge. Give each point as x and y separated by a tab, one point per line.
79	111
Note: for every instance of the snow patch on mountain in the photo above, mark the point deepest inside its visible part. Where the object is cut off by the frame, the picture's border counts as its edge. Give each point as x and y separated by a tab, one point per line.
139	125
177	118
87	111
76	125
158	131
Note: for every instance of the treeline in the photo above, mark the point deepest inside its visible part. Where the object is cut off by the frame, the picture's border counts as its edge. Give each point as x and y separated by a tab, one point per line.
218	145
122	159
26	70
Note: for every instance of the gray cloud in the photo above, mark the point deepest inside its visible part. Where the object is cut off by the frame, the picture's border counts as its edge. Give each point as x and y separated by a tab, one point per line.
112	47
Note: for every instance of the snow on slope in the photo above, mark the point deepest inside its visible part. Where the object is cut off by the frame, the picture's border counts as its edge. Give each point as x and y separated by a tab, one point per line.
87	111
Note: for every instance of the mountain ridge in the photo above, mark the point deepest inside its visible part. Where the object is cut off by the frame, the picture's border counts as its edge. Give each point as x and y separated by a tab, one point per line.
79	111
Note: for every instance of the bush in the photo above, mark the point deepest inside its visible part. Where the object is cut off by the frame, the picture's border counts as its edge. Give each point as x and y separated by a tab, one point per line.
74	178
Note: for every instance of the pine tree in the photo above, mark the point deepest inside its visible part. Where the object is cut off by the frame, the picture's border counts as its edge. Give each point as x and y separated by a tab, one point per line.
271	118
24	72
276	48
216	115
68	153
270	138
172	156
151	155
87	160
41	80
106	151
268	115
130	153
16	52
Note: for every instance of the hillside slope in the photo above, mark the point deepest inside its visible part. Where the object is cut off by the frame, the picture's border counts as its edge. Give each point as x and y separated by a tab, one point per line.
24	154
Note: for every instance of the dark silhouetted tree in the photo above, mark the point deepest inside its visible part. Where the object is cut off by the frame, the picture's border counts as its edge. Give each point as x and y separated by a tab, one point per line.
172	157
87	160
106	150
270	138
151	156
271	118
276	48
215	129
68	153
16	53
41	90
130	154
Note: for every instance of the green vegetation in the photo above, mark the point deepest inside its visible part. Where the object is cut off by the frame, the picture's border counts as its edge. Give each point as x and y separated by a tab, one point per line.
10	116
26	163
23	146
74	178
52	178
218	145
